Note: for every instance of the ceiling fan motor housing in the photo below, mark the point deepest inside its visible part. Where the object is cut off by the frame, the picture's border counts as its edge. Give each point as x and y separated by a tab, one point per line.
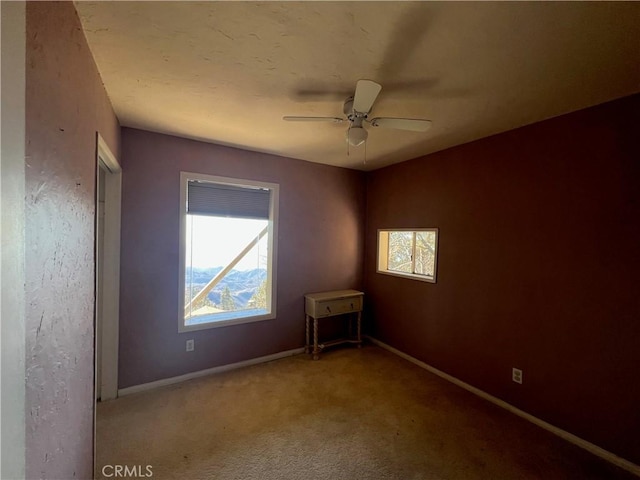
355	118
356	134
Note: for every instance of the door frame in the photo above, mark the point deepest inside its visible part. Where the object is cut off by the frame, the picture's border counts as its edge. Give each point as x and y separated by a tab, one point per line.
106	160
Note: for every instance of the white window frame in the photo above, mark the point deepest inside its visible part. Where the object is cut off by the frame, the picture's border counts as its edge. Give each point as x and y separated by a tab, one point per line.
272	232
383	254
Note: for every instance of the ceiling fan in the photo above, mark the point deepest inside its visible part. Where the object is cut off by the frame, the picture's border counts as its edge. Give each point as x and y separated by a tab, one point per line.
356	110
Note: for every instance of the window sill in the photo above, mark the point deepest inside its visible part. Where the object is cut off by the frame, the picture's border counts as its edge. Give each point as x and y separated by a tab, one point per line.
215	321
412	276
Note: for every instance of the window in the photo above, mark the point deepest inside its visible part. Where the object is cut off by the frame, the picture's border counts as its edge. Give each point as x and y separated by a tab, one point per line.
227	251
408	253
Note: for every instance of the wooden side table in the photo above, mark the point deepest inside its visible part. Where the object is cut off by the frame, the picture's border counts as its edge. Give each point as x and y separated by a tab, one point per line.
328	304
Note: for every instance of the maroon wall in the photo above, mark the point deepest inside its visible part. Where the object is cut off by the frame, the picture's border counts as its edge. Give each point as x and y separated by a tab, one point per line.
65	105
537	269
320	247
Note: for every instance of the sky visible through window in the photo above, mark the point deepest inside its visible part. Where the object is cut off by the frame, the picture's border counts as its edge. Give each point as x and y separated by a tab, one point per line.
215	241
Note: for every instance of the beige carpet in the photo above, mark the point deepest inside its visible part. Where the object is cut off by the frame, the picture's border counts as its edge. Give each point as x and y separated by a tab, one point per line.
355	414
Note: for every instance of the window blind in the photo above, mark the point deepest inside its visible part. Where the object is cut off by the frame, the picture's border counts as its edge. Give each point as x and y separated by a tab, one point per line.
220	200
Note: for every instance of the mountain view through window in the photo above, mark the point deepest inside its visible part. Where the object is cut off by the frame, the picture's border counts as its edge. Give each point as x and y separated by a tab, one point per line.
212	244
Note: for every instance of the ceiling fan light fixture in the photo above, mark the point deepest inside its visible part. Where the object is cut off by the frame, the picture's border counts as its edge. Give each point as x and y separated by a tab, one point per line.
356	136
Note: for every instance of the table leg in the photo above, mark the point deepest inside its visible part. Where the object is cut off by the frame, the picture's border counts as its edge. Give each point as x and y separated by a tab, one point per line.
316	351
306	331
358	332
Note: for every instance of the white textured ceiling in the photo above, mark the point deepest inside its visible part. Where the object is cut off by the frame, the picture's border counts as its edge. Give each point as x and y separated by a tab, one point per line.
226	72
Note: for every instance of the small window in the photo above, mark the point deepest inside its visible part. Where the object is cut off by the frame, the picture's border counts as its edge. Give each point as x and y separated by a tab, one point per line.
227	251
408	253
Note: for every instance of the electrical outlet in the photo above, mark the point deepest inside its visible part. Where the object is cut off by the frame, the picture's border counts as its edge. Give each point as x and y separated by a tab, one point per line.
516	375
190	346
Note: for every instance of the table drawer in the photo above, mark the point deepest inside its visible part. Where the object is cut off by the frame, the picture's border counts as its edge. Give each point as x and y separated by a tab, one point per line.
326	308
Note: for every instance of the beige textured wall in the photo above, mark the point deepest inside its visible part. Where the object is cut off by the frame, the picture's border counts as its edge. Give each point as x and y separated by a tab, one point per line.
65	105
12	459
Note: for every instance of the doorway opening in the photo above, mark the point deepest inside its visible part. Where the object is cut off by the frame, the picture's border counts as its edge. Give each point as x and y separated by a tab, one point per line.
107	265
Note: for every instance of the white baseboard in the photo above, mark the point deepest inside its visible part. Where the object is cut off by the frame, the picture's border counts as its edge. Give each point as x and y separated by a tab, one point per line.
590	447
202	373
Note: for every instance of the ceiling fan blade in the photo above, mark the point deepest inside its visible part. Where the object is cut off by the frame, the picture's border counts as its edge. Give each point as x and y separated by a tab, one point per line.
313	119
366	93
413	124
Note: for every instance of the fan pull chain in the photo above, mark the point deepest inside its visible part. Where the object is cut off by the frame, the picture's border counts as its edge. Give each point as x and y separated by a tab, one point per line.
365	153
348	140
